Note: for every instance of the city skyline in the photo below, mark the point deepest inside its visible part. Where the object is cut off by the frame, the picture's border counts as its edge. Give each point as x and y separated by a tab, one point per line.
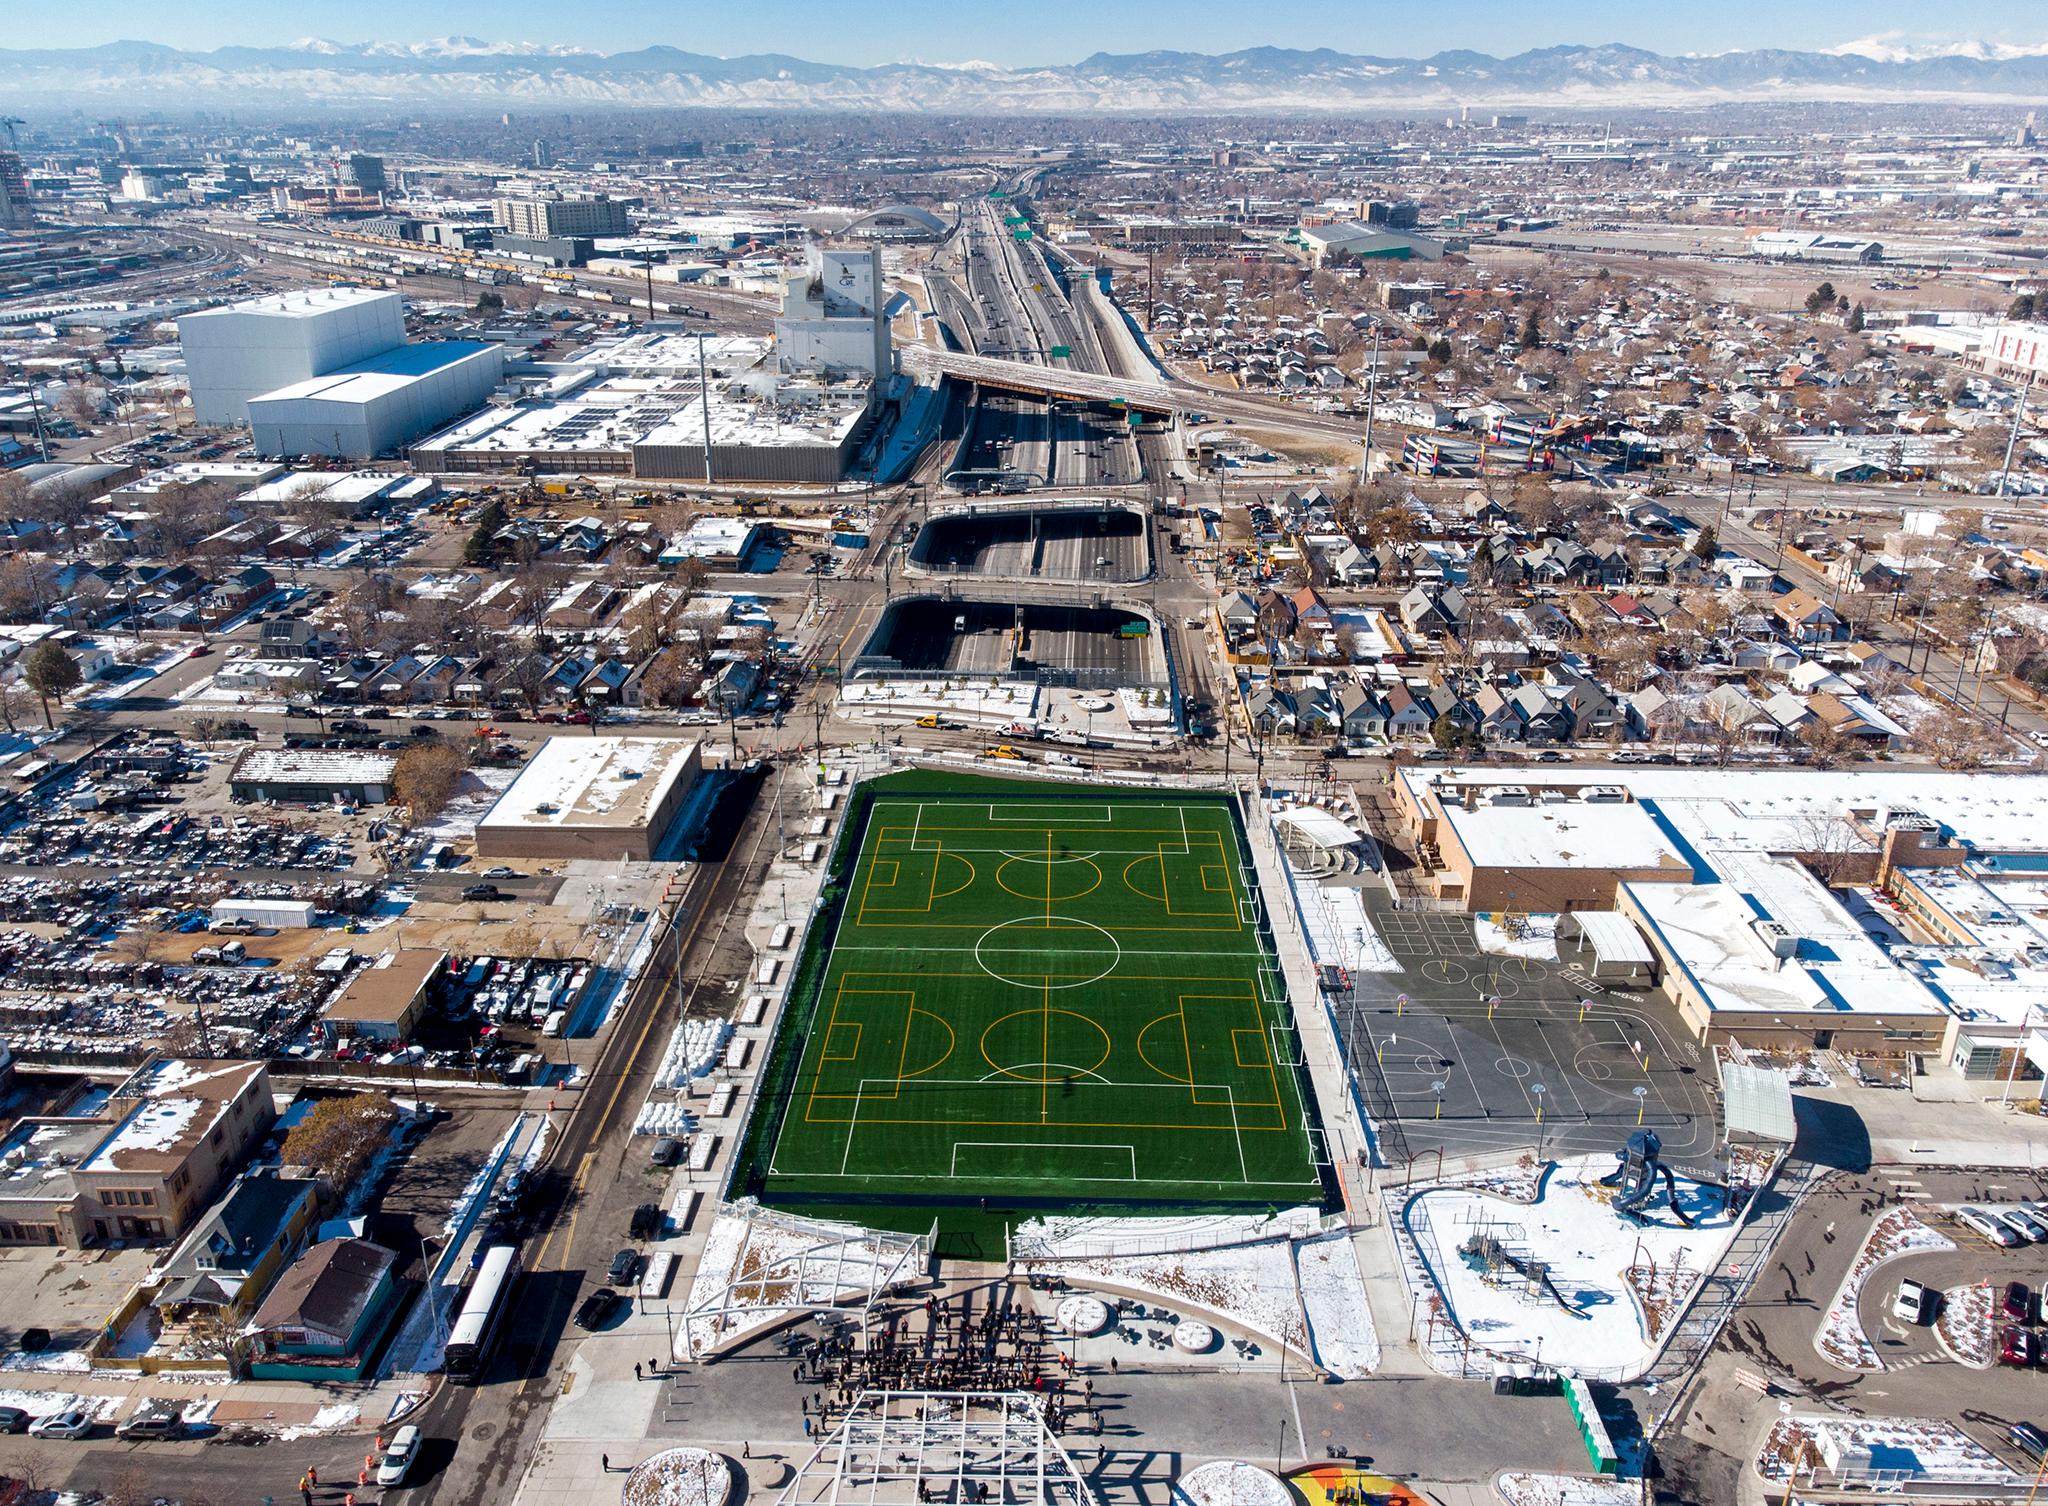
932	32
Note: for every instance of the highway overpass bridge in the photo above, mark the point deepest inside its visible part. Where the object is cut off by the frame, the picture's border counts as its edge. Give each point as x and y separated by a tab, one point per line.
1151	398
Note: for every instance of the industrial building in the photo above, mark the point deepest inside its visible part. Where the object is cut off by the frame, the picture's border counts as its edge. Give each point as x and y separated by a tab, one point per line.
834	315
592	797
246	349
378	405
313	776
548	216
384	1001
328	372
2016	350
139	1166
644	406
1362	242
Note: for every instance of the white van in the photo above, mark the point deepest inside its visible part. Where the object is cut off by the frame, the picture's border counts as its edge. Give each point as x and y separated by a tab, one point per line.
555	1023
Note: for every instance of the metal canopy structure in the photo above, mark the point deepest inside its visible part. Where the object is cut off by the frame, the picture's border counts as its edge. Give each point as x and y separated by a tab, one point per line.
761	1267
961	1448
1756	1104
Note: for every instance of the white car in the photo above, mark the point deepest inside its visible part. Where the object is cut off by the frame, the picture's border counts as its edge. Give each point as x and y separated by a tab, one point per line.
71	1423
399	1455
1976	1219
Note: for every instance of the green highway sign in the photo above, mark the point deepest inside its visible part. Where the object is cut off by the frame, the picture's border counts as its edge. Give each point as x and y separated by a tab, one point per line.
1024	235
1136	418
998	193
1062	352
1013	219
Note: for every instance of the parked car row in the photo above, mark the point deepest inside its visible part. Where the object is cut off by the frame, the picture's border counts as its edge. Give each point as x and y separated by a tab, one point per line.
2007	1227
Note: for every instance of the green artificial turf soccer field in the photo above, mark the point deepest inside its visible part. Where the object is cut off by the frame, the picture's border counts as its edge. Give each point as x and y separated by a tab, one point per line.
1038	998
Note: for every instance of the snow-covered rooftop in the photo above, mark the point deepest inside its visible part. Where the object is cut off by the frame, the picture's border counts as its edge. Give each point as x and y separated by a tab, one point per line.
610	782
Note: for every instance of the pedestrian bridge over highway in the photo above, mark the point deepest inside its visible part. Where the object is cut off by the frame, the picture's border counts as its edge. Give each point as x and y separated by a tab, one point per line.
1151	398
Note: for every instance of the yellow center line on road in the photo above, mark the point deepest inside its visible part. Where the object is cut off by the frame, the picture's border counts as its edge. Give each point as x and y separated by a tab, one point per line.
582	1176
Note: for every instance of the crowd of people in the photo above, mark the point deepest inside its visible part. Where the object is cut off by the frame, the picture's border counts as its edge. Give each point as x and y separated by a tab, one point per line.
943	1345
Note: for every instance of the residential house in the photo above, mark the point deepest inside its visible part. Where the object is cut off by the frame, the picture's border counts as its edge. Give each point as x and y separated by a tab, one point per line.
1406	716
1803	617
1545	719
1361	715
1427	610
325	1315
1731	708
227	1261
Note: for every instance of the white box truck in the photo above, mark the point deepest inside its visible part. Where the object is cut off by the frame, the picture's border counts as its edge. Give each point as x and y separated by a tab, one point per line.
268	914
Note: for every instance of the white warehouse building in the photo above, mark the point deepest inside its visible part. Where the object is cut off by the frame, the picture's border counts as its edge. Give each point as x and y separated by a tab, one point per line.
235	353
379	405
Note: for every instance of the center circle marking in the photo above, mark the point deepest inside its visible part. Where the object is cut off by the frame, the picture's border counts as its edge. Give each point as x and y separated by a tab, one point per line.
1038	1025
1038	981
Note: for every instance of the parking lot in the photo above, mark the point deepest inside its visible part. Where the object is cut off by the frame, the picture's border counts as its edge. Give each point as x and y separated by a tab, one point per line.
1772	1333
1558	1061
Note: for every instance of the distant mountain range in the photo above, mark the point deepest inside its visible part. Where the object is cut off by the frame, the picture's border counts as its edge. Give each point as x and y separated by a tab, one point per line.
462	73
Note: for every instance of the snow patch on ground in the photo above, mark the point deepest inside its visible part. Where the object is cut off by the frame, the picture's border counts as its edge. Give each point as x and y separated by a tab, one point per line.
477	792
1062	1237
1588	1250
459	1209
1839	1339
334	1415
1533	936
1339	932
49	1362
1521	1489
43	1403
1340	1323
1230	1482
1963	1327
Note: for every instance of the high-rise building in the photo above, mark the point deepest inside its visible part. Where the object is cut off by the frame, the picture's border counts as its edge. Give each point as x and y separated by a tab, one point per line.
543	154
551	216
366	172
15	208
833	315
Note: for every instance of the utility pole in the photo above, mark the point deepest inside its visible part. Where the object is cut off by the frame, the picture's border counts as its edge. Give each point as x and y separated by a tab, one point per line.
704	384
650	291
2012	439
1372	392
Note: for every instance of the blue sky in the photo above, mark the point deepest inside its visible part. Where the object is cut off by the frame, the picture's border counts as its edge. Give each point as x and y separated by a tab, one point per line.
1048	31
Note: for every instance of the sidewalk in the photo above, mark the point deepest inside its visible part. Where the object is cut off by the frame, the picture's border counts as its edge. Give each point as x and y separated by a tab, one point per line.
271	1405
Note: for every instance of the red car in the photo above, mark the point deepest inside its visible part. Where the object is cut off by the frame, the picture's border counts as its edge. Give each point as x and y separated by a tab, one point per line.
199	651
579	718
2016	1347
547	716
2014	1301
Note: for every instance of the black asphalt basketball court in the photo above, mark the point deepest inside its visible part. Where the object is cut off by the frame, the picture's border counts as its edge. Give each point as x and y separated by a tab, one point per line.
1466	1052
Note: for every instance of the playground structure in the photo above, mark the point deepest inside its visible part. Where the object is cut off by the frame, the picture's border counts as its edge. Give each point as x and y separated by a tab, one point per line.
1496	1261
1637	1176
